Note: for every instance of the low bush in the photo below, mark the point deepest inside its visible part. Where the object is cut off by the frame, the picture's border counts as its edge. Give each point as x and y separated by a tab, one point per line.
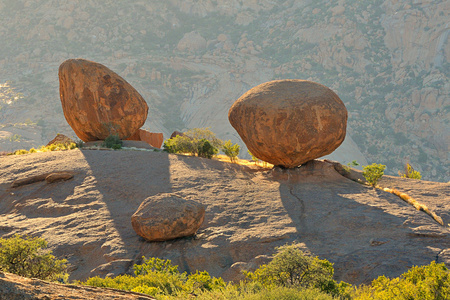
26	256
372	173
425	282
206	149
113	141
230	150
198	141
159	277
52	147
410	172
290	267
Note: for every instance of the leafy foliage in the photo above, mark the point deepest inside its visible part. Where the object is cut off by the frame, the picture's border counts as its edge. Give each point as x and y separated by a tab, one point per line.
198	141
290	267
410	172
206	149
25	256
159	277
426	282
230	150
373	173
113	141
52	147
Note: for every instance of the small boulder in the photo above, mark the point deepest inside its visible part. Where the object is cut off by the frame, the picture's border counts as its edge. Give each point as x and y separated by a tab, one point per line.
58	176
167	216
97	102
60	139
176	133
289	122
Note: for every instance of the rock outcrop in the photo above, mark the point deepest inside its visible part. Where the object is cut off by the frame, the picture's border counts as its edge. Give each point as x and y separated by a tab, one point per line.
151	138
167	216
249	212
60	139
289	122
97	102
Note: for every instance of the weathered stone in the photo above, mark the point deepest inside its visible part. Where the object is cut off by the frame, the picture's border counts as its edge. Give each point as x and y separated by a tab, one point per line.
97	102
60	139
289	122
176	133
167	216
59	176
151	138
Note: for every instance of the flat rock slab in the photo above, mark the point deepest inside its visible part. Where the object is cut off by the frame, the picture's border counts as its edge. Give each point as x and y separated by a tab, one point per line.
365	232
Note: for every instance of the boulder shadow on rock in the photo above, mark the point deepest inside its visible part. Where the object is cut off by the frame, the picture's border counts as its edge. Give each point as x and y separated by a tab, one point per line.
167	216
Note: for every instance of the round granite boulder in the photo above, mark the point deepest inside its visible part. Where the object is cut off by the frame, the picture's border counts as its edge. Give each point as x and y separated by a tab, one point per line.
97	102
167	216
289	122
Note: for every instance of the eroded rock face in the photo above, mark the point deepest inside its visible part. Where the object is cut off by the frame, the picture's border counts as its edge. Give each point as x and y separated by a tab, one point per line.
97	102
152	138
167	216
289	122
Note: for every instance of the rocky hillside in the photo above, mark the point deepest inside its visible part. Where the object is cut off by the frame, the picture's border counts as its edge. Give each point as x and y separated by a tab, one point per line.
387	60
249	211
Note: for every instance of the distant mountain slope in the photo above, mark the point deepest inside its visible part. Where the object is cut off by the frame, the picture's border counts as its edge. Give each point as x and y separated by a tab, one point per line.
387	60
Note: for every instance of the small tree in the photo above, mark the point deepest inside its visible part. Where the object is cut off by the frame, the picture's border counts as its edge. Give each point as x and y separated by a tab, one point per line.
113	141
291	267
206	149
25	256
230	150
410	172
373	173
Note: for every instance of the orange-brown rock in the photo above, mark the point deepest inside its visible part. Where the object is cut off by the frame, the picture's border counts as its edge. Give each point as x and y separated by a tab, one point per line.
151	138
176	133
289	122
60	139
97	102
167	216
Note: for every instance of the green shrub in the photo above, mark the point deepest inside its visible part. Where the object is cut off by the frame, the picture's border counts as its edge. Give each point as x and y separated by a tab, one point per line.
159	277
204	282
426	282
290	267
113	141
206	149
250	291
25	256
198	141
230	150
410	172
373	173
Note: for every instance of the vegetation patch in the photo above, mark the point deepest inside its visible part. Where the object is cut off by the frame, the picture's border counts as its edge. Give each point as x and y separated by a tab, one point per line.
52	147
26	256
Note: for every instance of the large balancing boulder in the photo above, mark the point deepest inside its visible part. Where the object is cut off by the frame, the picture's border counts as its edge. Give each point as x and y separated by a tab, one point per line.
167	216
97	102
289	122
